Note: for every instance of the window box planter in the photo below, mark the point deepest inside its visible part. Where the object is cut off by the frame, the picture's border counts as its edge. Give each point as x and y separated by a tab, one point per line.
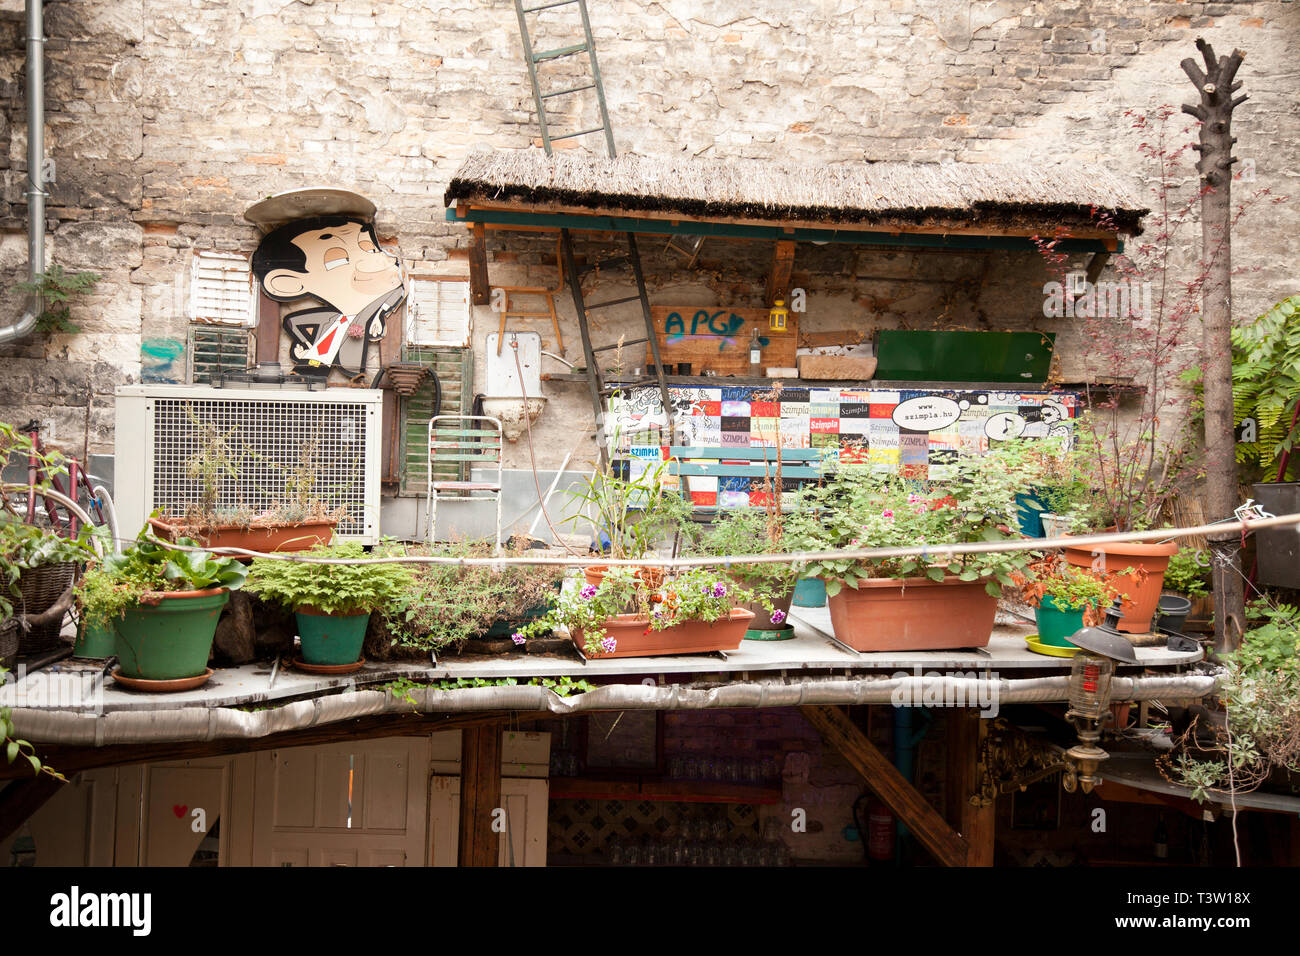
262	536
633	636
1143	595
172	638
898	614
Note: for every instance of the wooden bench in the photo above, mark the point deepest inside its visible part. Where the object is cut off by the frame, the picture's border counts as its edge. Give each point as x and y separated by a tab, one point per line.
690	461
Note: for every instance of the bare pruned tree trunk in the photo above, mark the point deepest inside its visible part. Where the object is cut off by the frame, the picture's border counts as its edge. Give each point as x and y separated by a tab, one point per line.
1216	87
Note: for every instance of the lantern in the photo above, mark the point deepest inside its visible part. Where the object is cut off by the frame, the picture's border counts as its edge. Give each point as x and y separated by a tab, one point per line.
778	316
1090	675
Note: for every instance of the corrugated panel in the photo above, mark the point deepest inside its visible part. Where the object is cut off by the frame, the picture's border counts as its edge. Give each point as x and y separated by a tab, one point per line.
221	288
455	370
214	349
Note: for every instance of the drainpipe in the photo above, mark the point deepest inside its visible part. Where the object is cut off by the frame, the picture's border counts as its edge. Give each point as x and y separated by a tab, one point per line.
35	169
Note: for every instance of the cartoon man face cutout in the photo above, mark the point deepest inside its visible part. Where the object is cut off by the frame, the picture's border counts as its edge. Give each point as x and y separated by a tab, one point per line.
338	261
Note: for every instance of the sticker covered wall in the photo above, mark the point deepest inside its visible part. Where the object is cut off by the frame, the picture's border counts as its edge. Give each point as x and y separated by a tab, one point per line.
916	433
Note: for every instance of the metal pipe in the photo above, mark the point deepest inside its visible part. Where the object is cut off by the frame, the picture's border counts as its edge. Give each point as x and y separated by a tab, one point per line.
35	170
138	725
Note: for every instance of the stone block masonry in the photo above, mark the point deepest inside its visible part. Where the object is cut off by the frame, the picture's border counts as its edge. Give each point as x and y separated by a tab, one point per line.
165	121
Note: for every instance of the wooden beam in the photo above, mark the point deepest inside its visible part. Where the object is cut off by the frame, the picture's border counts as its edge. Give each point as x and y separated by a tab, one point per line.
22	798
70	760
907	803
975	823
778	277
480	795
480	292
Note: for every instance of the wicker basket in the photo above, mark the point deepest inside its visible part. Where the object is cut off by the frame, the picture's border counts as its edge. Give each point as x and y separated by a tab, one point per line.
8	643
40	587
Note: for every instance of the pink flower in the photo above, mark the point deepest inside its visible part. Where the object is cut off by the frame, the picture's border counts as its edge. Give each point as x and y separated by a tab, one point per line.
778	616
887	513
518	638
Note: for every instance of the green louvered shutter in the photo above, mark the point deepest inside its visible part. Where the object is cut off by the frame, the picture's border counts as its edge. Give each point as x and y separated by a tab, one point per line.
455	370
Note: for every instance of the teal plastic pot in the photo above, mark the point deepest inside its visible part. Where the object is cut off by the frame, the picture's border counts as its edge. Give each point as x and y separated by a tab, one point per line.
95	643
331	638
171	639
810	592
1057	623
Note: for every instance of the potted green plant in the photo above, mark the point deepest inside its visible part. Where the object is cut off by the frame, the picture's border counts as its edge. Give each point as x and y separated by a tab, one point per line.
162	603
693	611
447	604
934	600
297	520
630	516
37	571
1254	740
1064	597
1187	589
332	602
1131	482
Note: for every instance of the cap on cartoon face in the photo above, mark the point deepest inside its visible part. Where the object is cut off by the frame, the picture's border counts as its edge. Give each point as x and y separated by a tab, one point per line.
336	261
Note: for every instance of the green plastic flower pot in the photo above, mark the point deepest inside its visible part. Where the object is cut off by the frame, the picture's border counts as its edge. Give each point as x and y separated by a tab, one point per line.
171	639
1057	623
95	643
331	638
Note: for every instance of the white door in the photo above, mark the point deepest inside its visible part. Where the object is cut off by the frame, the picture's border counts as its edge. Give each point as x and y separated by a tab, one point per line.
522	822
350	804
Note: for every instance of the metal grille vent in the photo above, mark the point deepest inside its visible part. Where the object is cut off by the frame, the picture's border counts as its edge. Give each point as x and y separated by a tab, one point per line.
267	438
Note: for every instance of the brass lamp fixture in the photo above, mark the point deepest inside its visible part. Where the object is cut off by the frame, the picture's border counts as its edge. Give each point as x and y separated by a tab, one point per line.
1090	675
778	316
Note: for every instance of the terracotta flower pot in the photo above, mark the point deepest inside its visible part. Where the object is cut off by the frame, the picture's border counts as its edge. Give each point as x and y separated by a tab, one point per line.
1143	596
298	536
595	573
633	636
907	614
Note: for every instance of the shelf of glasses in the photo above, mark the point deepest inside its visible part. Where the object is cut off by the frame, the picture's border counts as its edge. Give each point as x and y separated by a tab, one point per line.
663	791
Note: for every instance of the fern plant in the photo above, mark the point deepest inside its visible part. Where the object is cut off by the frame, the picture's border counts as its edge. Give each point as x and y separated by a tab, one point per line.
1266	382
340	589
56	290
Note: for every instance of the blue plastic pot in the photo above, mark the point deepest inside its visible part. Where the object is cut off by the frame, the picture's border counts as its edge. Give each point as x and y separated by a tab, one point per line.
810	592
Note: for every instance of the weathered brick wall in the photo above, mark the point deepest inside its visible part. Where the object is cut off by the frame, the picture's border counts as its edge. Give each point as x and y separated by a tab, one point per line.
166	120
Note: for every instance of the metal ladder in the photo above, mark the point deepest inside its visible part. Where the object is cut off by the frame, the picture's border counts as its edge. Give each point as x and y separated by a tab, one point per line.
596	379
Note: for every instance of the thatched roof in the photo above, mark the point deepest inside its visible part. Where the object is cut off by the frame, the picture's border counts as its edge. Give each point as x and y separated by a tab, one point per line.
1019	194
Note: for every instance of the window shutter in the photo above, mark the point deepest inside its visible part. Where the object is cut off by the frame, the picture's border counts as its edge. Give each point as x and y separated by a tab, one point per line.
455	370
215	349
438	313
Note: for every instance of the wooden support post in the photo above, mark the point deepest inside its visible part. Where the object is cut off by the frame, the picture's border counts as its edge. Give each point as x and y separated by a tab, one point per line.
268	329
1215	86
22	798
480	292
974	822
480	795
907	803
778	279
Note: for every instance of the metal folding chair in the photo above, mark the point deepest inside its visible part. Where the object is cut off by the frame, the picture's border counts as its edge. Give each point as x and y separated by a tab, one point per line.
450	440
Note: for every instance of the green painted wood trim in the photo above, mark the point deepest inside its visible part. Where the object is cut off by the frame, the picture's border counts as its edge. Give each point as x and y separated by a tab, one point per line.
725	230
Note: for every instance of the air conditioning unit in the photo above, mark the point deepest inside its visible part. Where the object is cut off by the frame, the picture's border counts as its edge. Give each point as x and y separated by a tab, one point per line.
159	432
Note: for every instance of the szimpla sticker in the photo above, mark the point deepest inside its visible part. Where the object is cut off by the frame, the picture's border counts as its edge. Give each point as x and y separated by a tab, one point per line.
338	261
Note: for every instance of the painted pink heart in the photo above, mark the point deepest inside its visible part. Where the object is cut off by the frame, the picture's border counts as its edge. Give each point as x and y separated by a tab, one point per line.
179	809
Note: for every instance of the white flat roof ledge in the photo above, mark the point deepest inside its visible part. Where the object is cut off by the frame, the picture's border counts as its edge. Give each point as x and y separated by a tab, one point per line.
811	659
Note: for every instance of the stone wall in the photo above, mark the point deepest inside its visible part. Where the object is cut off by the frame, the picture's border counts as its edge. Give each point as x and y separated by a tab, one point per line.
166	120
